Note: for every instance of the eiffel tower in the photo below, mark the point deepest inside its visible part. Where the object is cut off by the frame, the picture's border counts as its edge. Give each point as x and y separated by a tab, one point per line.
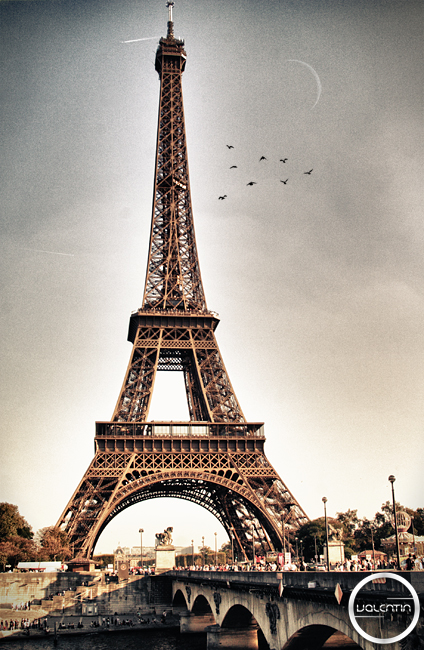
216	459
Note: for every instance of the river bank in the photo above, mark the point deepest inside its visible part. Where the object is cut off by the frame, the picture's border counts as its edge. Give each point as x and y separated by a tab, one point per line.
74	626
160	638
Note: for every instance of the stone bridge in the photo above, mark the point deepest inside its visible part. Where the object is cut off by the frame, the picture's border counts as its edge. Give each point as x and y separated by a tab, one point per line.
287	611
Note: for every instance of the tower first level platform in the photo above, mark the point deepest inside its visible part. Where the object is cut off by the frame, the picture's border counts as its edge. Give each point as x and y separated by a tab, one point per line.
220	466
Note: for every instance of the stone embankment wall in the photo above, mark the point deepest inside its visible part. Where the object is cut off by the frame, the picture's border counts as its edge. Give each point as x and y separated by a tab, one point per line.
69	593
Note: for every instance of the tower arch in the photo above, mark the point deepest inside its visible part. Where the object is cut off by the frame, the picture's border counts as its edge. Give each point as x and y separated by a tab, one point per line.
226	498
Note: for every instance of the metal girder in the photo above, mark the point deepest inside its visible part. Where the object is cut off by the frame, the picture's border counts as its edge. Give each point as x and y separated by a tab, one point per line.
217	459
192	349
173	279
231	477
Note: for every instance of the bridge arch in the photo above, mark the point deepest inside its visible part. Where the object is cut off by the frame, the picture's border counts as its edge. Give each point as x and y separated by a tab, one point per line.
201	606
302	617
238	616
200	617
320	637
179	602
240	619
329	625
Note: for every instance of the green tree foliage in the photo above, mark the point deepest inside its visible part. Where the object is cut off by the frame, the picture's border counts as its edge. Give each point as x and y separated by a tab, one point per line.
418	521
308	534
207	554
186	560
17	549
226	549
104	560
382	527
12	524
16	544
362	536
349	521
54	544
386	513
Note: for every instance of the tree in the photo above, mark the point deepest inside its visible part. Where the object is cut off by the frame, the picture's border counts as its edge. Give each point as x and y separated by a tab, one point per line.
54	543
381	526
386	514
104	560
363	540
207	554
226	548
12	524
17	549
349	521
311	534
418	521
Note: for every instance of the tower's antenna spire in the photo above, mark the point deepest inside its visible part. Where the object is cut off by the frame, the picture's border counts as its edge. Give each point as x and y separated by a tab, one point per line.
170	4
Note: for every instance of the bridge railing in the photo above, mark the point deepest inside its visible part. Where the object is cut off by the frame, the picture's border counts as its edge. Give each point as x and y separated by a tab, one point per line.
306	580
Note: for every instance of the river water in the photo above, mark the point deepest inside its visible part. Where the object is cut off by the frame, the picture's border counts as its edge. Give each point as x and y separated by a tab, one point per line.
135	640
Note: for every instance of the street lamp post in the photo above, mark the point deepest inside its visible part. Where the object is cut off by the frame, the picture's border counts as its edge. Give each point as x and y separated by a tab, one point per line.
253	547
203	550
216	550
373	550
141	531
315	544
285	520
288	545
392	479
192	552
324	500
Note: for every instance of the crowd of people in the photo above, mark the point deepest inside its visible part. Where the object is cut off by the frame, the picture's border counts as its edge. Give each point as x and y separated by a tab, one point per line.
23	624
412	563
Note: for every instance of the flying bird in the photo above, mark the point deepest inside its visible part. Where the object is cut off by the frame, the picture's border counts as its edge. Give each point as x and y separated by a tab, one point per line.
233	167
230	146
284	181
283	160
221	198
262	158
251	183
309	172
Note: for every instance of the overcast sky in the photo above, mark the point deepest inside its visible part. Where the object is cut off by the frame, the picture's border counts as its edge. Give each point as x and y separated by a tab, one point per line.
318	282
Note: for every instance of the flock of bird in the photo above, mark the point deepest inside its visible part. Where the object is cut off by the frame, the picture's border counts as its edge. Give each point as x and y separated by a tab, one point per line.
251	183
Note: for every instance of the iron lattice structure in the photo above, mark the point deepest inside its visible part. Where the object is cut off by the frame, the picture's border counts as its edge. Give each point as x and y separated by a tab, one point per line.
217	459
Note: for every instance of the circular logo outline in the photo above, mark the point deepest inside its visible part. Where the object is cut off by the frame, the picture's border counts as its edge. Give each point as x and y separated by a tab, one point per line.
391	576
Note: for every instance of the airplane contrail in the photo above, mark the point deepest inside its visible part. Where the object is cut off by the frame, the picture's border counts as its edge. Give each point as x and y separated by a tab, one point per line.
136	40
37	250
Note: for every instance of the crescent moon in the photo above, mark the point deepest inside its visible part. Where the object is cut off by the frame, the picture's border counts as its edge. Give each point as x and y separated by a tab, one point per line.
317	79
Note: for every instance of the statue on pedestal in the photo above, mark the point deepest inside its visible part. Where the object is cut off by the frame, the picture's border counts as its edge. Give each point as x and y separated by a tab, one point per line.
165	538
